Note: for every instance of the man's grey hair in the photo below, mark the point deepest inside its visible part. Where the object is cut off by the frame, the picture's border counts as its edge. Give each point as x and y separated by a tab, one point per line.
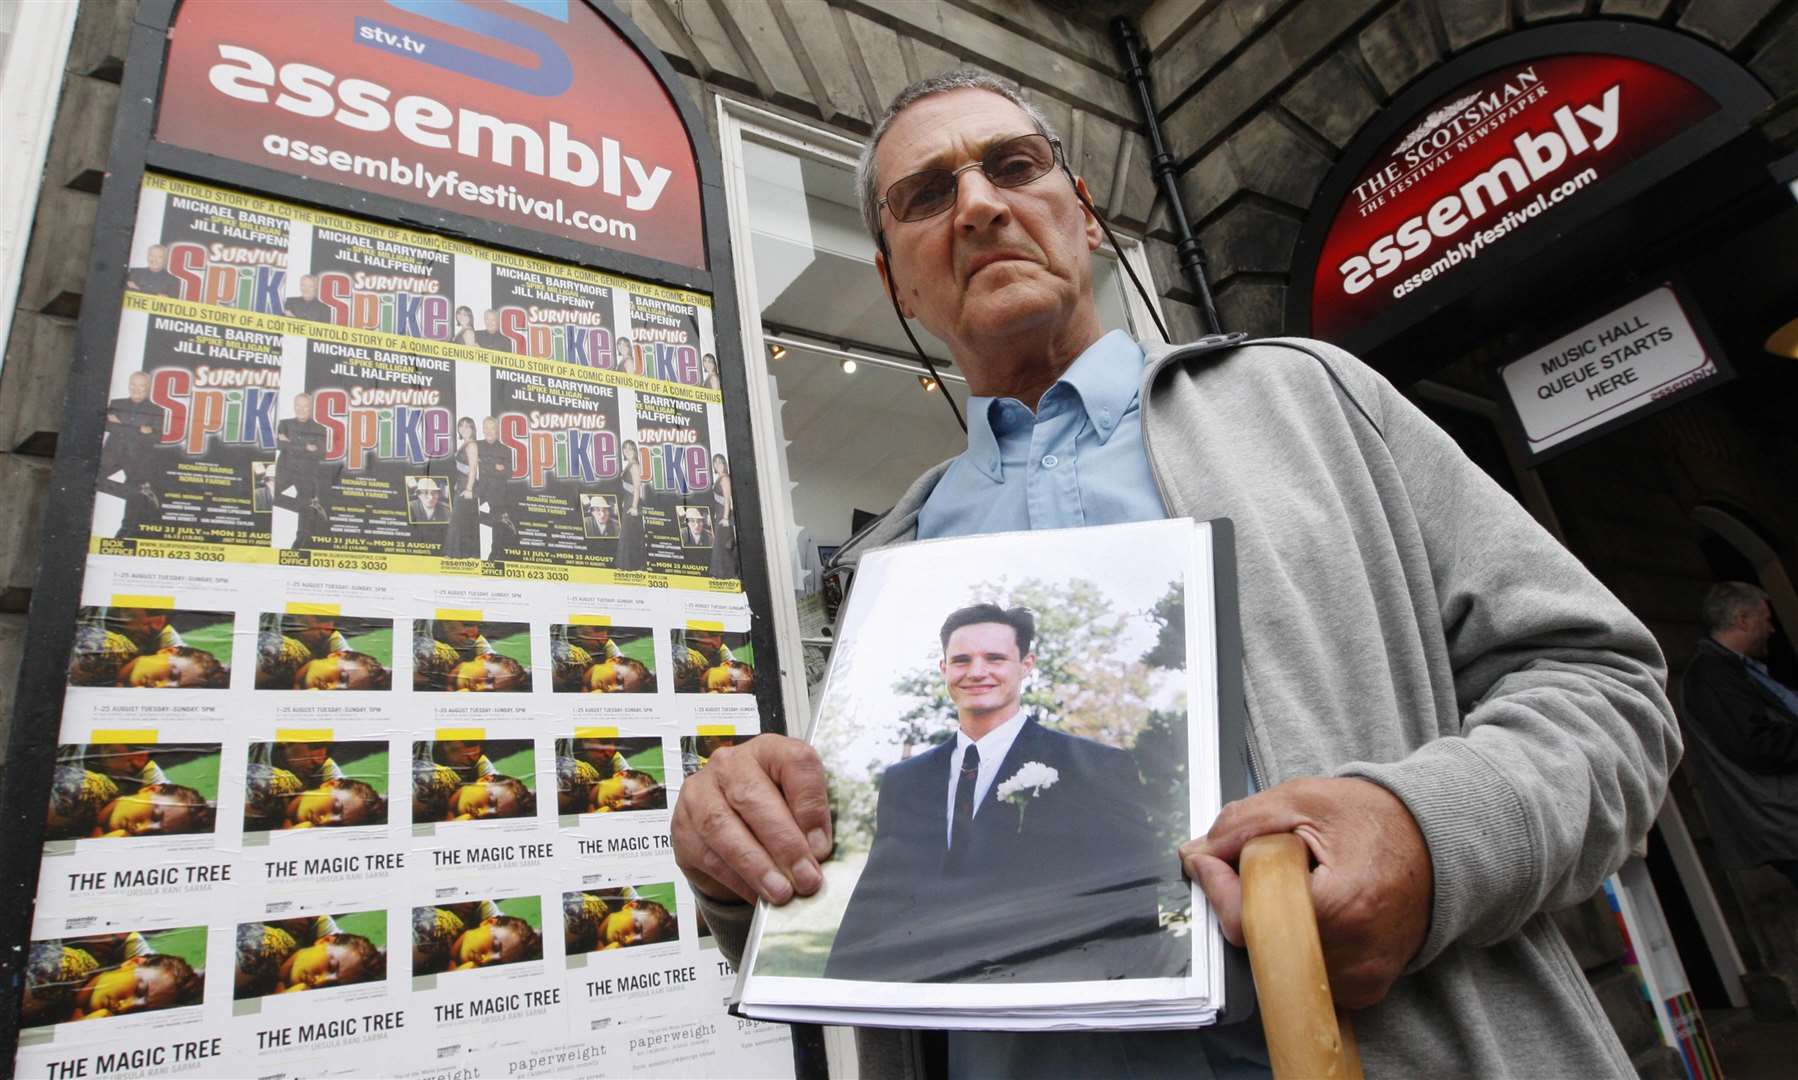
1728	601
964	79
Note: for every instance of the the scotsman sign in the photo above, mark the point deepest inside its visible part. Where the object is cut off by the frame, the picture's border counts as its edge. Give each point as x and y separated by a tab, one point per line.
1483	164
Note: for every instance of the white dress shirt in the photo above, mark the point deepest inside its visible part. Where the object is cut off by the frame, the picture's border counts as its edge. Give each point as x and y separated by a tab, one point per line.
994	745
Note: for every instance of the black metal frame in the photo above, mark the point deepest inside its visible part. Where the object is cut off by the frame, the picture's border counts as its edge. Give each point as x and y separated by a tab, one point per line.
1740	96
37	712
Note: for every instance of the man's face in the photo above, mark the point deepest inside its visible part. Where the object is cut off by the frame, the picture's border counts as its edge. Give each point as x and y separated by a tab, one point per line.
123	760
982	669
595	751
602	513
139	624
490	429
157	257
456	632
427	496
302	408
1000	262
695	522
308	287
490	319
459	754
305	757
315	630
1759	627
590	638
138	386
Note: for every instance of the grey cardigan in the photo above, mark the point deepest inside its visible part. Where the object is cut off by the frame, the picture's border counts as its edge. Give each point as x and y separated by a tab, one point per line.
1405	621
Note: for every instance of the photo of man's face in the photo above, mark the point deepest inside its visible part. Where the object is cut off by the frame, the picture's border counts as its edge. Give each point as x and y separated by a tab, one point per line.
456	632
302	407
308	287
982	670
157	257
314	630
427	497
138	386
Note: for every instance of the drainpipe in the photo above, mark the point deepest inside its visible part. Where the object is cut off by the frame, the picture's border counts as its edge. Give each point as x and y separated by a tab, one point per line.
1186	246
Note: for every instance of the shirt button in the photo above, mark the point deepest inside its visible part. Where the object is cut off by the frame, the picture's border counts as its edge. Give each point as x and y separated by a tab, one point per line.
1050	461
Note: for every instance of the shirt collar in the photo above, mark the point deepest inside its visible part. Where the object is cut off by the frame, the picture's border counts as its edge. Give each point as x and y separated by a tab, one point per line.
997	741
1105	378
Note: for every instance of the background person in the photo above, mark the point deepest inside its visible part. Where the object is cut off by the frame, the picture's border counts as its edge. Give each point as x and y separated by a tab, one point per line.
1745	727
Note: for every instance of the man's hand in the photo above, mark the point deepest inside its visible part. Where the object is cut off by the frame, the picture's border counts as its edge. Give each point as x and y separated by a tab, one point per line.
755	822
1372	885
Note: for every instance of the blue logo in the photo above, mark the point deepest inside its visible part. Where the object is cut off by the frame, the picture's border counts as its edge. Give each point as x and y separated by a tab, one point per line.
550	78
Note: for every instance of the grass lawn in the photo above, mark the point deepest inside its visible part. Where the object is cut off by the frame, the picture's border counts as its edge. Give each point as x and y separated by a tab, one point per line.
521	764
643	648
370	924
649	761
370	768
796	939
661	893
214	638
187	942
376	643
516	645
528	908
201	774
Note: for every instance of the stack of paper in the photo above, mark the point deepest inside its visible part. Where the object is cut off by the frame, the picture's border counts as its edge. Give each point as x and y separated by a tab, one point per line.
1020	729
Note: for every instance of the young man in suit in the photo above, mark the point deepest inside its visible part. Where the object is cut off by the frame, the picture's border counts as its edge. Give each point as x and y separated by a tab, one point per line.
964	884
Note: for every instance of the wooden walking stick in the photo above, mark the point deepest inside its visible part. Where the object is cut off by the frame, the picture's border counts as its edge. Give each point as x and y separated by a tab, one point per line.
1306	1036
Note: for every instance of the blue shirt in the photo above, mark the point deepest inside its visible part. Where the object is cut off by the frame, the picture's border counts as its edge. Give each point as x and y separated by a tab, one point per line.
1077	460
1758	671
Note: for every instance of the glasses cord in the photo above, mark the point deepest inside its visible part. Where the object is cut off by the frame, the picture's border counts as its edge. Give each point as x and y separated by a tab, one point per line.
904	324
893	295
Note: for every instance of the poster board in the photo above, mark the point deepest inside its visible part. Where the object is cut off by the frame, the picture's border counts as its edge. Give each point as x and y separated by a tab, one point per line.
319	440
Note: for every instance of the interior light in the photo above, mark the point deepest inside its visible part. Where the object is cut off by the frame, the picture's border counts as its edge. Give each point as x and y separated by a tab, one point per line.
779	352
928	383
1784	341
848	367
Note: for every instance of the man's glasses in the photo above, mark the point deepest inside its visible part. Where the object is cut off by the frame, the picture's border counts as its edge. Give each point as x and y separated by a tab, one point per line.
1012	163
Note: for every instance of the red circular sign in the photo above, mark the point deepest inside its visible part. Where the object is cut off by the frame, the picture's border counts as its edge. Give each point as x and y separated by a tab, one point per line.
535	114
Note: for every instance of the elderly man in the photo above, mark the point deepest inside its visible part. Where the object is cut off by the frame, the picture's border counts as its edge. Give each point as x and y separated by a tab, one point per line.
1466	728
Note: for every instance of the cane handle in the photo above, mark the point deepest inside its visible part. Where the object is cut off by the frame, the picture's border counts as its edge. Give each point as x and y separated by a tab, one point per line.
1306	1036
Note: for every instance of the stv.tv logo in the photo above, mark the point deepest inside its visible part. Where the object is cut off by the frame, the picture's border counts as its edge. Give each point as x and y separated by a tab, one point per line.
550	78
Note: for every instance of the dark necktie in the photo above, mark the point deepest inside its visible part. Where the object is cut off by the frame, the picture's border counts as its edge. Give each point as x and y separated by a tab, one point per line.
963	821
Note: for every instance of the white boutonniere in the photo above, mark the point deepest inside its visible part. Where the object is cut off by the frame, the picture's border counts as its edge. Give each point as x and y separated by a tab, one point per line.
1032	779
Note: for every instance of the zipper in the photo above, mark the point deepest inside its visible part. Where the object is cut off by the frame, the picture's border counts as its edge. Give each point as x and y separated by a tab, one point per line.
1256	773
1142	395
1248	737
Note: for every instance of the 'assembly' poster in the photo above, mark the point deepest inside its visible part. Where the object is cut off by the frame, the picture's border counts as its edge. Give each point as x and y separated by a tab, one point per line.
431	481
